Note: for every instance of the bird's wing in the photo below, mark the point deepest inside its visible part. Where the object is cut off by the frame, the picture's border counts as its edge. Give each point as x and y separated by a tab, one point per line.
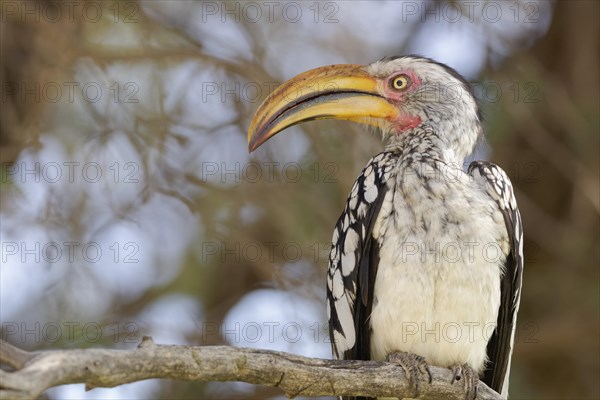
353	262
500	346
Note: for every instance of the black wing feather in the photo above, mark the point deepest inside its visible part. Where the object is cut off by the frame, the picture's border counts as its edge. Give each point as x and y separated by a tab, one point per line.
500	346
367	271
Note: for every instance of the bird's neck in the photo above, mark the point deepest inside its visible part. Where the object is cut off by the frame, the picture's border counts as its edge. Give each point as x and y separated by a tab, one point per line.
435	143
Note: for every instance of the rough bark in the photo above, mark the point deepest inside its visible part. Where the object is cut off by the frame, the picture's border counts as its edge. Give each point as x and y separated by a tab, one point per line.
34	372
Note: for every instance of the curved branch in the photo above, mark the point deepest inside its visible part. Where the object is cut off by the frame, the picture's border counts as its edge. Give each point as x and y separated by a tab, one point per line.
13	356
294	375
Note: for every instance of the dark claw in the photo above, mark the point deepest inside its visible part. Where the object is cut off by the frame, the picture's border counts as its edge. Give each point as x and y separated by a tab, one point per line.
414	366
470	378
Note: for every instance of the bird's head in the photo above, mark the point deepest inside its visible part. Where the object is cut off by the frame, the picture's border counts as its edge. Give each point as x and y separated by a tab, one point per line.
396	95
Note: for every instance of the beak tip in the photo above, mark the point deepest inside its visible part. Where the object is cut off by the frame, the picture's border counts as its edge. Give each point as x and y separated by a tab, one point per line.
252	144
296	100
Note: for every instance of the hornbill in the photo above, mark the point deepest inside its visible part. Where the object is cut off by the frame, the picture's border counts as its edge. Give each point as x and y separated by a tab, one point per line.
426	260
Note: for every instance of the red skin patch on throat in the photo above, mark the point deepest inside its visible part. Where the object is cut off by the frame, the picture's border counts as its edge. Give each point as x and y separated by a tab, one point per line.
405	122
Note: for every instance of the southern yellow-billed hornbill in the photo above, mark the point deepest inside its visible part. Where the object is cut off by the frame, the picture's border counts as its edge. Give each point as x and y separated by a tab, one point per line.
427	260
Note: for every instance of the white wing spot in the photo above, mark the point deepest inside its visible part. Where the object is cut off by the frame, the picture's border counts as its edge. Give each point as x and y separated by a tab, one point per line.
348	263
371	193
336	235
351	241
344	314
338	285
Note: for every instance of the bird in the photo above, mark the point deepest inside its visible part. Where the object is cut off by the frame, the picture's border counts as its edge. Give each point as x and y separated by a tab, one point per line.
426	261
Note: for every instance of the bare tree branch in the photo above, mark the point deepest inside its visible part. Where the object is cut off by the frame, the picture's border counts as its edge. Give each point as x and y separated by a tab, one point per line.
294	375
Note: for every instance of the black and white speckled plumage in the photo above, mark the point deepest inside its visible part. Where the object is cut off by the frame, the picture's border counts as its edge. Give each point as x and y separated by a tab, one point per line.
500	346
387	269
350	266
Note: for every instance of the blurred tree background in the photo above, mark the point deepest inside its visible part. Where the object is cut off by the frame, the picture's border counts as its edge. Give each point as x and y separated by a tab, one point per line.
130	205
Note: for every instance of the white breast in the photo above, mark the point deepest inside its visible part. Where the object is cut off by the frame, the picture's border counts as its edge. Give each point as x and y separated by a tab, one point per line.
437	290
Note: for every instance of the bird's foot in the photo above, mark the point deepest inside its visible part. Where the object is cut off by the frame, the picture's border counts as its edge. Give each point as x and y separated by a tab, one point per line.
415	367
469	377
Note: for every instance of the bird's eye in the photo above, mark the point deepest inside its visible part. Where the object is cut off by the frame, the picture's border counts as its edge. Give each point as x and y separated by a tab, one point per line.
400	82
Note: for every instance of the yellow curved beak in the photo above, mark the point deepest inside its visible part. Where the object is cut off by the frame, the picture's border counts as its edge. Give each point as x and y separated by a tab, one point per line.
343	91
